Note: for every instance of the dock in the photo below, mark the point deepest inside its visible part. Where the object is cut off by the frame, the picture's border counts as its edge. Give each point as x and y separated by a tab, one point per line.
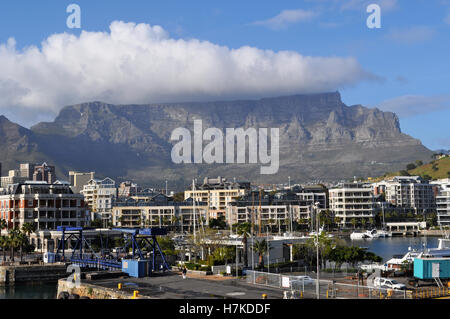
168	286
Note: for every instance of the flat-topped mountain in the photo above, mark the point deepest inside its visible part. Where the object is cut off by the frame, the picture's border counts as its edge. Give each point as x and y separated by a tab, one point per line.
320	138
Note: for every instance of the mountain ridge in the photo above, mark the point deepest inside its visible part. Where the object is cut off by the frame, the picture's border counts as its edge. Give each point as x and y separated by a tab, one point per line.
320	138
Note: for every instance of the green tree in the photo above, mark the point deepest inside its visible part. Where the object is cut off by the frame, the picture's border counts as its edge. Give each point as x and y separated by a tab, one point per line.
244	230
4	242
261	248
14	241
419	163
325	218
363	222
354	222
410	166
28	228
97	223
218	223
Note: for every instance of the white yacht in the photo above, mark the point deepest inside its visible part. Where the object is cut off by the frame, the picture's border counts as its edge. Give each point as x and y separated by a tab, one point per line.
359	235
321	230
398	260
442	250
369	234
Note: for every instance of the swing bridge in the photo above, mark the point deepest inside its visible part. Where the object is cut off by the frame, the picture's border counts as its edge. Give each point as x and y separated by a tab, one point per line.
138	239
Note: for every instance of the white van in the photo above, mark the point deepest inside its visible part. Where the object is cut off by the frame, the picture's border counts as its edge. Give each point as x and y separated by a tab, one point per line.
388	283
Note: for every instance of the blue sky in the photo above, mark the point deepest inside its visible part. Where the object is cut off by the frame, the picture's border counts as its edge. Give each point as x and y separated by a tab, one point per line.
402	67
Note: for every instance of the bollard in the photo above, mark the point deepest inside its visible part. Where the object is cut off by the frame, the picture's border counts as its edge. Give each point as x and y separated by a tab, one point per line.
135	294
301	294
327	294
119	286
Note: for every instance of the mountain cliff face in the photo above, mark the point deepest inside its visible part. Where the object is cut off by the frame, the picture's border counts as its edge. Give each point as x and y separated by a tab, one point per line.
320	138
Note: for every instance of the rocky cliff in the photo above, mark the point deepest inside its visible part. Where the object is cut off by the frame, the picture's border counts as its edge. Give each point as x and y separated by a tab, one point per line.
320	138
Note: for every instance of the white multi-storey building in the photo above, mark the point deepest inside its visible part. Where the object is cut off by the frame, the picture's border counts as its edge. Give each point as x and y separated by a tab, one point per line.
442	201
352	201
410	192
160	212
218	193
99	196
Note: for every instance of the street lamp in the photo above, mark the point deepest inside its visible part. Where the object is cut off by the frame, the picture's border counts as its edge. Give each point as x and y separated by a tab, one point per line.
268	250
236	259
317	249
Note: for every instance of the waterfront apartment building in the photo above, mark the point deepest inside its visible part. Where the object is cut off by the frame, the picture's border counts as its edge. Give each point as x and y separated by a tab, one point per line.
99	196
276	210
350	201
44	205
313	194
217	193
408	192
442	195
160	211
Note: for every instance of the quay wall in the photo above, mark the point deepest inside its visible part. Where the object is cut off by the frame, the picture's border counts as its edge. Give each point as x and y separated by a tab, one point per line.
9	275
94	292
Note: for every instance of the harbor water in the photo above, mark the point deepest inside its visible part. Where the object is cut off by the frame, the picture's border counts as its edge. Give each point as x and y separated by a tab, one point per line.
387	247
383	247
45	290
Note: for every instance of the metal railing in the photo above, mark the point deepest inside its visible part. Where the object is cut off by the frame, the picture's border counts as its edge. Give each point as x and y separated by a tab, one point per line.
295	287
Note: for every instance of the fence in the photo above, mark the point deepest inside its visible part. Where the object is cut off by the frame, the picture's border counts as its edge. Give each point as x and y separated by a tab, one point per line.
300	287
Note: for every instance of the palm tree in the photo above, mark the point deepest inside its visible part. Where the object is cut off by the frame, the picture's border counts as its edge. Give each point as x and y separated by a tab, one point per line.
244	230
4	244
173	221
271	222
3	224
261	248
22	240
363	222
13	242
354	222
338	221
27	229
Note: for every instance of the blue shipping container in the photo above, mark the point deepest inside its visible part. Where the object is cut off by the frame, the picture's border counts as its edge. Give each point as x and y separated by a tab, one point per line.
428	268
135	268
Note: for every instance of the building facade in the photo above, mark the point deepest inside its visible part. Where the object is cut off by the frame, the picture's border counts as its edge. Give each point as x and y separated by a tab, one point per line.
352	201
99	196
281	209
442	195
408	192
78	180
160	211
44	173
44	205
217	193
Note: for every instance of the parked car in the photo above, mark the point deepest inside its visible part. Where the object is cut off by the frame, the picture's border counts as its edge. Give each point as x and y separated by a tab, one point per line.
299	281
388	283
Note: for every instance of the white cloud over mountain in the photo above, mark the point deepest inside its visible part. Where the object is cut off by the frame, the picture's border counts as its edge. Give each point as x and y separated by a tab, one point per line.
411	105
139	63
